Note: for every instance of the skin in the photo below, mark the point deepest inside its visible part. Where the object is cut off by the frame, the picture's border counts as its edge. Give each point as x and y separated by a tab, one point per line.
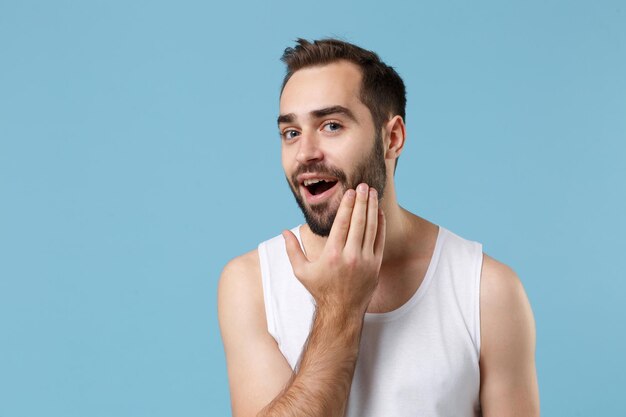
379	272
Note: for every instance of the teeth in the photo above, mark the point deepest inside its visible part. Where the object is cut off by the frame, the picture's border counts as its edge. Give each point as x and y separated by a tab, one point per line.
312	181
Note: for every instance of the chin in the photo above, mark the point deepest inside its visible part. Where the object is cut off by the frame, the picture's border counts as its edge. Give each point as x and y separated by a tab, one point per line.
320	223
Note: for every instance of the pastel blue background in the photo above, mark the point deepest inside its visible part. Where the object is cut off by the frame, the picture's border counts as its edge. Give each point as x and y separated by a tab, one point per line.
139	153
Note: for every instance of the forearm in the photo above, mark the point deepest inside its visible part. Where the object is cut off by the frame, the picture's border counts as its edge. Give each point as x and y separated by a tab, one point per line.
321	383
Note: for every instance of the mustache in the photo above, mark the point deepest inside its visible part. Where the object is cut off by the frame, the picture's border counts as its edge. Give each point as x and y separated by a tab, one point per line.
318	168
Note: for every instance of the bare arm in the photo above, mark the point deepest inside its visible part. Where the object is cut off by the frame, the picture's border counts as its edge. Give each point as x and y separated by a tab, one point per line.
257	371
342	282
507	361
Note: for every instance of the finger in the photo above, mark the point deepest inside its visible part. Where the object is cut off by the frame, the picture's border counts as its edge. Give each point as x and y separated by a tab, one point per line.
341	224
294	252
357	222
379	245
371	227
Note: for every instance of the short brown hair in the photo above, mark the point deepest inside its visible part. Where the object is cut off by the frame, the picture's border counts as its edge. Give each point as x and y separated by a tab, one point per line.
382	89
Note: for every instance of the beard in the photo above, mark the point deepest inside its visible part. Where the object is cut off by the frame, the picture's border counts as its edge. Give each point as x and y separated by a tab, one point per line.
370	170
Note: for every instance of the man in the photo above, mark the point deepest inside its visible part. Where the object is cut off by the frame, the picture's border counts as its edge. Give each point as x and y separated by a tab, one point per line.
367	309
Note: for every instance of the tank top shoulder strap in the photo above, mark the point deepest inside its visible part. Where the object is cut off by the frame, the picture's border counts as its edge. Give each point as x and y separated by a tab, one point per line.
459	269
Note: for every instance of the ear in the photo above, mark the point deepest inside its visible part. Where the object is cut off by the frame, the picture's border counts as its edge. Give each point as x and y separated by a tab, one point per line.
395	133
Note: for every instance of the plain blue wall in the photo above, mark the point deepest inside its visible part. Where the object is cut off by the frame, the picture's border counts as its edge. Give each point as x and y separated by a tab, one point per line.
139	153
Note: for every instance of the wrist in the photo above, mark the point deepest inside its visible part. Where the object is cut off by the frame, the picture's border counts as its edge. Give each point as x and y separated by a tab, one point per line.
340	317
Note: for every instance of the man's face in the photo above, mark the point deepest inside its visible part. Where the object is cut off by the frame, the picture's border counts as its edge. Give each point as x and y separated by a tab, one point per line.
329	143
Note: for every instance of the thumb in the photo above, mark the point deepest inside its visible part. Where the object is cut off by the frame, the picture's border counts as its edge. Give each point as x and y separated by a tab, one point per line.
294	251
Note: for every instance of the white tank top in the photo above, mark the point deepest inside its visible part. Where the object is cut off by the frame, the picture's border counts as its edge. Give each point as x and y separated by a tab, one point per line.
418	360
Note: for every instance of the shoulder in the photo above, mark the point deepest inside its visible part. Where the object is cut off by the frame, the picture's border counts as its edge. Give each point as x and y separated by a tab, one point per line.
502	296
507	322
242	266
507	354
499	283
240	288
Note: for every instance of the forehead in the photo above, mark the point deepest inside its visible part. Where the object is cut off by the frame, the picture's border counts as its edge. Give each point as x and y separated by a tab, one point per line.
311	88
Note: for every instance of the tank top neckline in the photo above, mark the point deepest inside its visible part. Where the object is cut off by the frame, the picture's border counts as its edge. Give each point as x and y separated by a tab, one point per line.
417	295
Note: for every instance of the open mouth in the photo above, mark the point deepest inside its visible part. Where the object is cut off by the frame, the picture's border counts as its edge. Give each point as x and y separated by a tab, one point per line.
318	190
318	186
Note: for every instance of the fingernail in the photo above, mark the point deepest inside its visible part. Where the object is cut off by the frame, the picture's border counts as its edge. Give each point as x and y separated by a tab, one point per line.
373	192
350	193
362	188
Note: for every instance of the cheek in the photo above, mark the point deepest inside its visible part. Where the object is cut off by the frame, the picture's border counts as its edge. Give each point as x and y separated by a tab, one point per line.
289	167
286	160
352	162
341	155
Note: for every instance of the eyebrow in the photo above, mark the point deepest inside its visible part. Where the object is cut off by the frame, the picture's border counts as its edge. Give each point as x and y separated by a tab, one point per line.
317	114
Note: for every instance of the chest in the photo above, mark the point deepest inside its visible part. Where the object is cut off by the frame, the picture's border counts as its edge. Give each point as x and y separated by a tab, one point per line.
415	366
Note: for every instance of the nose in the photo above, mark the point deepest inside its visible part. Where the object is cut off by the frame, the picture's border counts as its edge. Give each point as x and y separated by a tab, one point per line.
308	149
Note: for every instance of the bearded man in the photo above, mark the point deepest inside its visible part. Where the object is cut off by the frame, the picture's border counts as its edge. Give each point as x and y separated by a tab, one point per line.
367	309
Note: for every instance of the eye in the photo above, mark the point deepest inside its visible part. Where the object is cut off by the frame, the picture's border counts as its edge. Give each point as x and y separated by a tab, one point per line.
332	127
290	134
